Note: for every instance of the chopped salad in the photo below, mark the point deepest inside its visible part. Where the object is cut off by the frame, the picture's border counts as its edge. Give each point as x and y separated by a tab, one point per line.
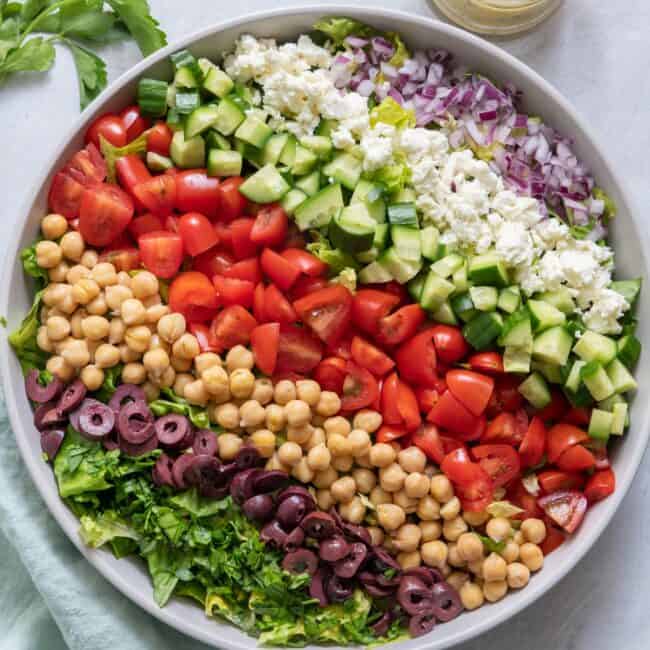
326	332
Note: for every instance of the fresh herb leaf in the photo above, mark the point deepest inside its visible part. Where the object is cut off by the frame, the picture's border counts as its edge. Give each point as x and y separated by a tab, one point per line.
97	531
35	55
91	73
135	14
490	545
31	8
111	380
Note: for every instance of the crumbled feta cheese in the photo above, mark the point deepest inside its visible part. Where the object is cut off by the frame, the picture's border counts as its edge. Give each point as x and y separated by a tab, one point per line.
377	147
603	315
514	244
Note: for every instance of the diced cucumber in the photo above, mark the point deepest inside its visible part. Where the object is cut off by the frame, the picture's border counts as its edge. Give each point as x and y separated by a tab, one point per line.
345	169
405	195
574	380
448	265
460	279
187	101
463	307
292	199
403	214
517	359
620	376
214	140
553	346
517	330
629	350
374	273
543	315
288	154
619	418
317	211
400	269
273	148
481	331
309	184
435	291
365	257
158	163
595	347
217	82
250	153
319	144
488	269
370	194
352	229
629	289
595	378
152	96
429	240
200	120
304	161
509	299
185	60
174	120
381	236
187	153
445	314
550	372
415	286
254	131
229	117
609	403
326	127
535	390
184	79
264	186
560	299
600	424
406	240
224	163
484	298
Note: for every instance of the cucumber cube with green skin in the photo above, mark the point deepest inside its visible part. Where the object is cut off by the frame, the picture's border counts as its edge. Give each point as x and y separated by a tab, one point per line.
448	265
550	372
595	378
370	194
217	82
460	280
463	307
319	144
543	315
264	186
184	79
374	273
352	229
574	380
620	376
517	330
400	269
273	148
429	242
595	347
250	153
553	346
629	350
224	163
517	359
187	101
229	117
406	240
403	214
187	153
381	236
317	211
309	184
444	314
415	286
536	391
609	403
345	169
484	298
580	399
304	161
488	269
214	140
254	131
509	299
629	289
200	120
481	331
560	299
619	419
288	153
435	291
292	199
600	425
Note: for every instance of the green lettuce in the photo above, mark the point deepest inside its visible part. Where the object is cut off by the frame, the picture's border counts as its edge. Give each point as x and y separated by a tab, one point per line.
390	112
347	278
23	340
31	267
172	403
111	153
110	383
335	258
392	177
338	28
610	206
97	531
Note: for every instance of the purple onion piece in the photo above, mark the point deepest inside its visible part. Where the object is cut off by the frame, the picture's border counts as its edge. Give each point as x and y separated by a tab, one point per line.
446	602
135	423
72	395
96	420
205	442
300	561
39	393
162	471
51	442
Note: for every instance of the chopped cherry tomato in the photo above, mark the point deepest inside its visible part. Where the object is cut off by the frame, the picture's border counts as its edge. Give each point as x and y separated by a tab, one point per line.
213	262
553	540
471	389
562	436
426	397
131	171
232	291
104	213
576	459
270	226
162	254
600	485
407	405
295	239
330	374
65	194
197	192
389	396
490	362
396	289
369	357
400	325
390	432
450	343
240	238
89	163
159	138
325	312
305	285
552	480
531	450
193	295
232	326
472	483
158	195
519	496
416	359
343	347
232	203
299	351
307	263
264	342
202	333
277	307
556	409
428	439
369	306
506	397
448	413
145	223
501	462
505	428
123	259
578	416
110	127
360	388
248	269
196	231
566	508
259	300
133	121
279	271
600	454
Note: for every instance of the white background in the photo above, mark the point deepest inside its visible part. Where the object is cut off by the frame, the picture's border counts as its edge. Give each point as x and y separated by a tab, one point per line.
598	54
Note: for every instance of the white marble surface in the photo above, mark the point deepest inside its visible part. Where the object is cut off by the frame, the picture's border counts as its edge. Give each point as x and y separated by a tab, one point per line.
597	53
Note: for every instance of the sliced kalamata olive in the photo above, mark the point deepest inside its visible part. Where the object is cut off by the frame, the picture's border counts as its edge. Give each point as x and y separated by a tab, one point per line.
241	486
73	416
205	442
248	457
72	395
413	596
299	491
293	509
381	561
110	443
446	602
421	624
338	589
259	507
428	575
294	540
172	430
360	533
178	470
39	393
317	588
47	417
381	626
205	473
389	579
135	423
270	481
124	394
334	548
376	591
137	450
162	470
300	561
273	534
51	442
349	565
318	525
96	420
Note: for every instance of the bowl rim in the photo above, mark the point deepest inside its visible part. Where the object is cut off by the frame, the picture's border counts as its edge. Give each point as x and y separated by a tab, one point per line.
100	559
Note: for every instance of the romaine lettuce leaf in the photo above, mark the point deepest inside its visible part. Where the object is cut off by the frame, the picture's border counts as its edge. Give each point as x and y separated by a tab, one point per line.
23	340
335	258
97	531
338	28
390	112
172	403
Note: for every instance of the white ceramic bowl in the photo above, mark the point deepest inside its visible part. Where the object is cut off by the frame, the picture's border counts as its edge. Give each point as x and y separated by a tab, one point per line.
629	241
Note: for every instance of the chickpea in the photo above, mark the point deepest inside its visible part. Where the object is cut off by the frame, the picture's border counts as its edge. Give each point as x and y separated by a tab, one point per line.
284	392
452	529
116	331
155	313
43	340
510	552
475	519
48	254
239	357
531	555
410	560
343	463
441	488
339	445
367	420
171	327
329	403
298	413
518	575
138	338
390	516
52	294
318	458
476	568
300	435
156	362
416	485
107	356
92	377
227	416
518	537
302	472
337	425
262	391
343	489
58	328
434	553
186	346
54	226
364	461
470	547
324	479
217	382
324	499
252	414
360	442
127	355
392	478
89	258
471	595
412	459
495	590
196	393
151	391
454	558
144	284
498	529
290	453
124	279
72	246
353	511
378	496
365	480
275	418
182	365
95	328
59	272
104	274
264	441
229	446
316	438
451	509
67	304
115	295
60	368
431	530
407	538
157	343
494	568
534	530
133	312
76	353
308	391
428	509
242	382
382	455
98	306
134	373
457	579
376	535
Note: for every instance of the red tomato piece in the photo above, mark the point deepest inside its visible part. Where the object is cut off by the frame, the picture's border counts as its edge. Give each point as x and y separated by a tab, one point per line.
270	226
501	462
578	416
576	459
470	388
448	413
330	374
240	238
489	362
506	397
104	213
299	350
278	270
213	262
471	481
566	508
196	231
158	195
145	223
531	450
248	269
519	496
202	333
259	300
395	288
123	259
505	428
159	138
89	163
305	285
416	359
162	253
389	396
407	405
369	306
426	397
232	203
197	192
134	123
428	439
556	409
562	436
194	296
600	454
232	326
131	171
277	307
360	388
553	540
325	312
390	432
369	357
110	127
450	343
552	480
307	263
400	325
65	194
232	291
343	347
600	485
265	340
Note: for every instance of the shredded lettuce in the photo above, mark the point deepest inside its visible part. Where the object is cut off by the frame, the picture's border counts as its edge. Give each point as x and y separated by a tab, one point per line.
392	177
23	340
97	531
338	28
335	258
347	278
172	403
111	381
111	153
390	112
31	267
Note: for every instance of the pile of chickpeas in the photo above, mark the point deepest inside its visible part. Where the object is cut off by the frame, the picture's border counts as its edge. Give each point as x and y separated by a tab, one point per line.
95	318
